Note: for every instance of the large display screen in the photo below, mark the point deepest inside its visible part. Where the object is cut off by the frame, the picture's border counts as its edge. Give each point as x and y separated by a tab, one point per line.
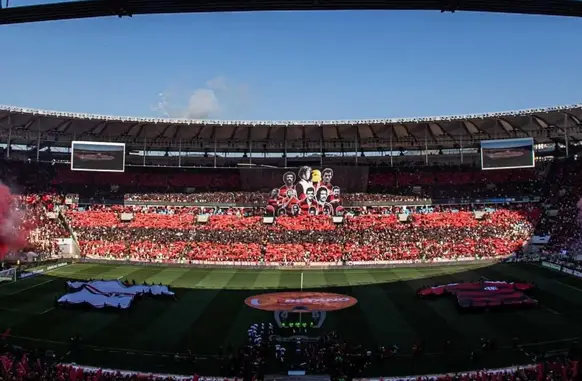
97	156
507	154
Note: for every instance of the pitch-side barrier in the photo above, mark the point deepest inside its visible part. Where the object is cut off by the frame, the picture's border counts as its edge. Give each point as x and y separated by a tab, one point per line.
566	269
197	378
300	265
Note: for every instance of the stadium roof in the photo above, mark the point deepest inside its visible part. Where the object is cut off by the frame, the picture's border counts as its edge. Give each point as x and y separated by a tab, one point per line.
51	128
101	8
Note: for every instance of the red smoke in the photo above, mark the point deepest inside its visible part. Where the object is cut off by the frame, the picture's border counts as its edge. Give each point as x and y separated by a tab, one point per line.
13	230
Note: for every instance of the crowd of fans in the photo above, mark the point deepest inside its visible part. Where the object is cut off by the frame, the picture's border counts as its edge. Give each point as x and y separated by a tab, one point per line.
40	224
369	233
329	355
235	239
224	186
375	234
389	187
564	200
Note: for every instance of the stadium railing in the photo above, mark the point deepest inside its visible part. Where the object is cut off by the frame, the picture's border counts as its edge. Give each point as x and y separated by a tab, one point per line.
302	265
347	204
566	268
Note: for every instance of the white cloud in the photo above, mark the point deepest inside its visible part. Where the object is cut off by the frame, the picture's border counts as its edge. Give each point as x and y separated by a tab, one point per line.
218	84
202	104
211	101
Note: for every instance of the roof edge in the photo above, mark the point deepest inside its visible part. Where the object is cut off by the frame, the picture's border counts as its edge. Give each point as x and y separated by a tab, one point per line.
87	116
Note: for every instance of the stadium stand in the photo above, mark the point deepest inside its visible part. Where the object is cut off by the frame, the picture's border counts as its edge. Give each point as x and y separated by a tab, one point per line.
404	212
444	233
18	364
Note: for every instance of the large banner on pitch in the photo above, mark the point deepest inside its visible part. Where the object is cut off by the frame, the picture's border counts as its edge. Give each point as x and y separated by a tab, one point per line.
507	154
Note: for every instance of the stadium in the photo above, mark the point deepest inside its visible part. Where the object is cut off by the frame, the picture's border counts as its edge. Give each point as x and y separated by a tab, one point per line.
264	250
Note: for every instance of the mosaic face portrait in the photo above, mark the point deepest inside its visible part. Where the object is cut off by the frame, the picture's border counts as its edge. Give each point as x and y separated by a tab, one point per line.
310	193
322	194
327	175
305	173
289	178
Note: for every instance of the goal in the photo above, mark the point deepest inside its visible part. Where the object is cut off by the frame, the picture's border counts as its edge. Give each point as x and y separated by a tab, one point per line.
8	275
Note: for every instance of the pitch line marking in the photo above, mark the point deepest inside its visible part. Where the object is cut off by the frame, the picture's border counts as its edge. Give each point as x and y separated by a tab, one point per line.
46	311
12	310
551	310
30	287
25	312
568	285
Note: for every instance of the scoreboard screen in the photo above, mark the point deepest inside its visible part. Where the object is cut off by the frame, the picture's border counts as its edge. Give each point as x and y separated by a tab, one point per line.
507	154
97	156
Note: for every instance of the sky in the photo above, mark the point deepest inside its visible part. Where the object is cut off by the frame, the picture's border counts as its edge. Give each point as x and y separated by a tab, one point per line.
294	65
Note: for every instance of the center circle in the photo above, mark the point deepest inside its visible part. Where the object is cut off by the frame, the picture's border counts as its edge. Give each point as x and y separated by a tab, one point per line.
300	301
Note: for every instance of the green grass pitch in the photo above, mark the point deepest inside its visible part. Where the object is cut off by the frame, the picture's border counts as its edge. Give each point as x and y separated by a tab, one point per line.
211	313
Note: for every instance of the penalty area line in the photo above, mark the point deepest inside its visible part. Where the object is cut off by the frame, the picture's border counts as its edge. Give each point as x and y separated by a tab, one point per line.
26	312
30	287
551	310
568	285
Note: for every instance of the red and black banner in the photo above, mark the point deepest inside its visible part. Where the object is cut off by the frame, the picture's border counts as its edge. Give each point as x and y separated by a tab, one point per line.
484	294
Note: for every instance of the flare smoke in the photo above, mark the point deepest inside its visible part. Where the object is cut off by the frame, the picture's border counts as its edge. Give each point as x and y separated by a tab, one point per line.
12	227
